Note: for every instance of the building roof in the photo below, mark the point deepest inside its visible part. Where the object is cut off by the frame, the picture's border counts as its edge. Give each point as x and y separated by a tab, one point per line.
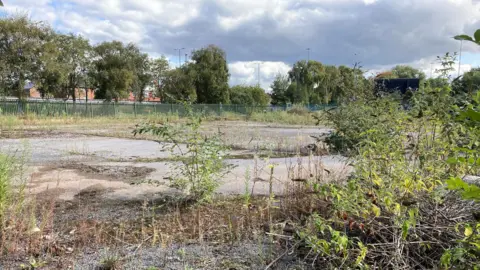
28	86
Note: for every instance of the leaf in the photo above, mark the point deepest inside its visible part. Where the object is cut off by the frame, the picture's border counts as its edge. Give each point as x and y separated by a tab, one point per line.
362	255
452	160
446	258
405	227
468	231
376	210
456	184
477	35
464	37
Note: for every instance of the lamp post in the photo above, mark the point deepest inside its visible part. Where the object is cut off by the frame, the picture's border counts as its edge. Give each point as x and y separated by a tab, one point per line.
258	74
179	56
460	57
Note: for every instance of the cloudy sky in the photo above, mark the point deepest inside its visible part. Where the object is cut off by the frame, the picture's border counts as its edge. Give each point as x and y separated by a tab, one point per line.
273	34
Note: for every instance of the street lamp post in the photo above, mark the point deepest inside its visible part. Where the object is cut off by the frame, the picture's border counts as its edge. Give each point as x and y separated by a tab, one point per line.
460	57
179	56
258	74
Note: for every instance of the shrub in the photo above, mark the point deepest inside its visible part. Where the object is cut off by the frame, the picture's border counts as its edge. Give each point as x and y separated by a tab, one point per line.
200	165
298	110
354	121
395	211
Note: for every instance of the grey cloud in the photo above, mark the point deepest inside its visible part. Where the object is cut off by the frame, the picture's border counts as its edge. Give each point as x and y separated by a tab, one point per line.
383	33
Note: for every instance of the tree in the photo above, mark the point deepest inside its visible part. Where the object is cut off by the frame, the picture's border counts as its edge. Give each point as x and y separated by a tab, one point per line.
142	73
305	77
469	83
328	89
248	95
407	72
279	90
74	58
210	75
178	85
435	83
22	46
119	69
159	68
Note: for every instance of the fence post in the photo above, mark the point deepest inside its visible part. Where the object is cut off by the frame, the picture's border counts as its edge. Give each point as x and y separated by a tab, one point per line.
154	108
135	108
66	108
171	108
91	110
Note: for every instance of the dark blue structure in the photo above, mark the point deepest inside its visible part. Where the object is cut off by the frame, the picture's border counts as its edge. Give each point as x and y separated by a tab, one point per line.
396	85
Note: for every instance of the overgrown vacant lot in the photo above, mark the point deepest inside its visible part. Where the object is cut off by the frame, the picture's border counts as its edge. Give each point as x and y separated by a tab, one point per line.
376	186
92	193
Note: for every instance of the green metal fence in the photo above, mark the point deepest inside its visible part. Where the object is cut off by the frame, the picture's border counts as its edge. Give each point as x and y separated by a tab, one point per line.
93	109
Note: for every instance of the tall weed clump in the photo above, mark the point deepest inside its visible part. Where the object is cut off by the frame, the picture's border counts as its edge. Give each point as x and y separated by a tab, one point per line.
199	160
6	171
352	122
397	210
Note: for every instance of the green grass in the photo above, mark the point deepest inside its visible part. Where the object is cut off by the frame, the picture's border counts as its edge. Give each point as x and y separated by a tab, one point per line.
10	123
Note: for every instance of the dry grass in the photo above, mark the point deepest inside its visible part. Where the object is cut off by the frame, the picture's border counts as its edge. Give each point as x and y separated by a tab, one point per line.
55	231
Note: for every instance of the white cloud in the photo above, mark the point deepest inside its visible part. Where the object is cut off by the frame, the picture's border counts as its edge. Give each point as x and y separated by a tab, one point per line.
379	33
247	73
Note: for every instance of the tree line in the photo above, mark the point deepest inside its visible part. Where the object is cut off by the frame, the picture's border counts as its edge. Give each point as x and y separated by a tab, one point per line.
58	64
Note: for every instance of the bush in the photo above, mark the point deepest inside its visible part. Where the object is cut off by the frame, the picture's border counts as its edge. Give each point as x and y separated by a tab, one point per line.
200	165
395	211
299	110
353	121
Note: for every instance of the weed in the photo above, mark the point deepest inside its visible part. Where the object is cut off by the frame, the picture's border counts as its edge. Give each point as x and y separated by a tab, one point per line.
33	264
388	213
110	263
201	161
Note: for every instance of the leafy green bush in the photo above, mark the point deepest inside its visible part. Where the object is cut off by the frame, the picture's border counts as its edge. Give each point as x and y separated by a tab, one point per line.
354	121
396	211
200	165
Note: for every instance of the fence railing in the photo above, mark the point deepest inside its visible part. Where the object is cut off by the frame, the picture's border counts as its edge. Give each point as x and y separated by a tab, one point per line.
93	109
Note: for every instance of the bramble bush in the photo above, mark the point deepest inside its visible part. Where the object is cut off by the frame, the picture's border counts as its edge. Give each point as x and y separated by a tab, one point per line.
400	209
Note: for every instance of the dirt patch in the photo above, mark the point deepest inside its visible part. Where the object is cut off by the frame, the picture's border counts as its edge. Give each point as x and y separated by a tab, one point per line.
25	134
130	174
92	191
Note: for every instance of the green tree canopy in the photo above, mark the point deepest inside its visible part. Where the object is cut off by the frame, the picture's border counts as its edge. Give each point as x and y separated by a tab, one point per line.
407	72
159	68
210	74
178	85
469	83
316	83
23	44
279	90
248	95
118	69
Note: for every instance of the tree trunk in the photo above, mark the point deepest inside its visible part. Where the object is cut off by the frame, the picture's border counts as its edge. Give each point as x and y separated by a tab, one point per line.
74	95
21	83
